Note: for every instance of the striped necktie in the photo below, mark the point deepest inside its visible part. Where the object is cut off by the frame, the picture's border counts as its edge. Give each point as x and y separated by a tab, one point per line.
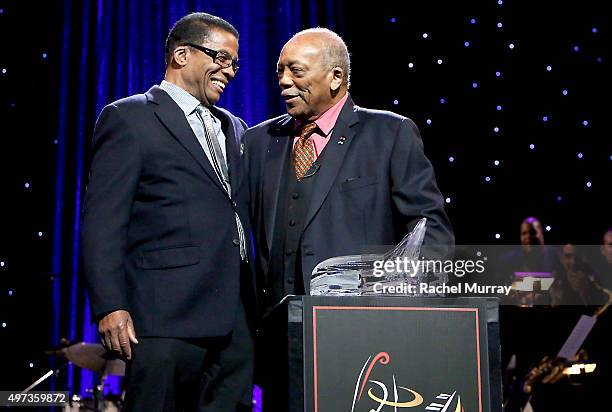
220	166
303	153
217	158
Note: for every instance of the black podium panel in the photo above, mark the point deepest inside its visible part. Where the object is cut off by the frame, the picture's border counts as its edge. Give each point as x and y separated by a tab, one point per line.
371	353
383	354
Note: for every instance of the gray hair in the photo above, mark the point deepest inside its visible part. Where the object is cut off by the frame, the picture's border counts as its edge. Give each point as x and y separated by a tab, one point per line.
335	52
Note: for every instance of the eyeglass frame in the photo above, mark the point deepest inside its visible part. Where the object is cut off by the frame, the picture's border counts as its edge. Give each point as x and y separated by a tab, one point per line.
214	54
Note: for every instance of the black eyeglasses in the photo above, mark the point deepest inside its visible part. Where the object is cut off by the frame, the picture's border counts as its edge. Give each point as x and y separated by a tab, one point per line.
221	58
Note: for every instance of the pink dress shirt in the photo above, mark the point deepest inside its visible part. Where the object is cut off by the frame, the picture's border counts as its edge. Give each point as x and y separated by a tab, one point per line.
326	123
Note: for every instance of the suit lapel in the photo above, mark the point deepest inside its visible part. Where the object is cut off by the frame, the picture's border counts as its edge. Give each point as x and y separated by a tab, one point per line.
335	150
173	119
281	138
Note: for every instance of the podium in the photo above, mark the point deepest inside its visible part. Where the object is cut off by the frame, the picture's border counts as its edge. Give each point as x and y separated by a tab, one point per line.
391	353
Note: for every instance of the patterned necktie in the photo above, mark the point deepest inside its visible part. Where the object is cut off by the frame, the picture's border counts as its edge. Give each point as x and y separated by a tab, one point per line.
218	161
304	154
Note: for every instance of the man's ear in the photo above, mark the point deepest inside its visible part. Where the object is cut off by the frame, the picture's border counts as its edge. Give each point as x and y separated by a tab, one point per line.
337	78
179	55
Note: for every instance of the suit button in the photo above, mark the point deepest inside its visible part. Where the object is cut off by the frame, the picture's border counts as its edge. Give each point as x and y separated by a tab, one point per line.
290	281
236	242
295	195
234	204
292	222
288	252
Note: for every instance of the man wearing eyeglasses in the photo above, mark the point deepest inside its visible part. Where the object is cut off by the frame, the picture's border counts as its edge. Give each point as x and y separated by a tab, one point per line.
330	178
165	250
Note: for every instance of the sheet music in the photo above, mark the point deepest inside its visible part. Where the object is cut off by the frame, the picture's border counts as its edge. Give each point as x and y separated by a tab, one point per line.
577	337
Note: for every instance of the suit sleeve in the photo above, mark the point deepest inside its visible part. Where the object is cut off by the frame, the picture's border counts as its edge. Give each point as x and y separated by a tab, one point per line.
248	164
113	180
244	127
415	193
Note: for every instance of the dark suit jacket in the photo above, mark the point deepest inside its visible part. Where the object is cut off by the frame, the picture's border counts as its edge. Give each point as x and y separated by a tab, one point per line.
373	185
159	235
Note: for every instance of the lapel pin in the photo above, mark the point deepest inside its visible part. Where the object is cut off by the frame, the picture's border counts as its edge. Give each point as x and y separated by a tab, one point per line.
341	140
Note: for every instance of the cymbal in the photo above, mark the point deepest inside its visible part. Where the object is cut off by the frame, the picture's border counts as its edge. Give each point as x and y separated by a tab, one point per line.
115	367
93	357
86	355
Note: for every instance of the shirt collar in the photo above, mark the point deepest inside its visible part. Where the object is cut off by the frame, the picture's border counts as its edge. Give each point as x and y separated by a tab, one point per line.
181	97
328	119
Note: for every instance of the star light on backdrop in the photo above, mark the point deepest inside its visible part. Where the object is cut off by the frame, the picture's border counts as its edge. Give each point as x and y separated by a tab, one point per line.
532	58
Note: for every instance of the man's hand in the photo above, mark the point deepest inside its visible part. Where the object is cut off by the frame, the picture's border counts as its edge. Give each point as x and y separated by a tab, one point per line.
117	331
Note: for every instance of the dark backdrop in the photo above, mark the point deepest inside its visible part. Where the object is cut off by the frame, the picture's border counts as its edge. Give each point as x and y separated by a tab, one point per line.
60	62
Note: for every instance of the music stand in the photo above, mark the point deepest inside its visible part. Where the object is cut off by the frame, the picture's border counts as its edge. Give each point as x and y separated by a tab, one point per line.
532	284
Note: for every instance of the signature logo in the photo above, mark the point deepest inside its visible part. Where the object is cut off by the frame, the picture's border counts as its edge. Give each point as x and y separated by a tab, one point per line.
399	396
